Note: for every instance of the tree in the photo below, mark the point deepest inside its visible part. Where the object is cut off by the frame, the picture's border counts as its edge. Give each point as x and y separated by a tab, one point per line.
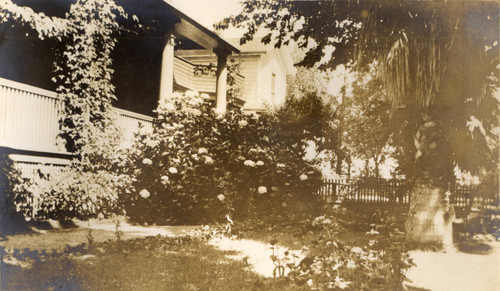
439	70
308	111
364	115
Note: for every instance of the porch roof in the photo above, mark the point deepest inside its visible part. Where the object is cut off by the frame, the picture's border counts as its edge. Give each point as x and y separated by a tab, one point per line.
193	30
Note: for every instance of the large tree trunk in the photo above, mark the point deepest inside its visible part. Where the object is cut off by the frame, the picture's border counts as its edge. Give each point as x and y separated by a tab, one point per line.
430	217
430	214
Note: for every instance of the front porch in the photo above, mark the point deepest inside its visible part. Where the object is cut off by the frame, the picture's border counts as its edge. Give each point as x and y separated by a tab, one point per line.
146	70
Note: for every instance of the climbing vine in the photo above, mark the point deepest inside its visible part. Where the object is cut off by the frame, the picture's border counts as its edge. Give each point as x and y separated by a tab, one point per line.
82	74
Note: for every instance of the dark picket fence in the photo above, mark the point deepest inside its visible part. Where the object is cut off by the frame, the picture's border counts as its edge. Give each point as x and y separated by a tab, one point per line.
398	191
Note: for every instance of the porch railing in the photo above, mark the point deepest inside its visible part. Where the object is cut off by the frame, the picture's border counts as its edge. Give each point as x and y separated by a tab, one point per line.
29	118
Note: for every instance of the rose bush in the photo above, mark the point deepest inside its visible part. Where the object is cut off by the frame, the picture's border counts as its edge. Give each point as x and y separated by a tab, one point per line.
201	166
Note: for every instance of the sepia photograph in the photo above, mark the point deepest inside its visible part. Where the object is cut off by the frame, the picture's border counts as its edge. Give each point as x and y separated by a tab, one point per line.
250	145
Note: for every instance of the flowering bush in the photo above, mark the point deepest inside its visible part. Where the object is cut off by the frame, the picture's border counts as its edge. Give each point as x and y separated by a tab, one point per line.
198	166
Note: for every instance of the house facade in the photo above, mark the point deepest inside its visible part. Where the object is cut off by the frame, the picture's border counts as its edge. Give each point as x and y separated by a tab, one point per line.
265	70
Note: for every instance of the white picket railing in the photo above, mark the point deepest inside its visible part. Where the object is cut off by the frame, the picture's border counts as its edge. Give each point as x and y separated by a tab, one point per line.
29	118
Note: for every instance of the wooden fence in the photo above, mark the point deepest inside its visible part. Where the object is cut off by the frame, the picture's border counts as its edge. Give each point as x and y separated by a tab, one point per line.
398	191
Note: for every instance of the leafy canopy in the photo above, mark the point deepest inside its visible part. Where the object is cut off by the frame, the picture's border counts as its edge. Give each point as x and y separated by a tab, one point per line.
438	62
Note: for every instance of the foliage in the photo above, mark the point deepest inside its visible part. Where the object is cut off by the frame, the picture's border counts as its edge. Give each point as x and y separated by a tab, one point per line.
10	178
308	111
367	128
357	248
83	76
68	193
197	166
426	50
233	91
487	223
438	69
336	264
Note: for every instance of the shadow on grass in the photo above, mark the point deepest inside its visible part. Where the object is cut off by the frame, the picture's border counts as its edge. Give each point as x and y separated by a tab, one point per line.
412	288
474	247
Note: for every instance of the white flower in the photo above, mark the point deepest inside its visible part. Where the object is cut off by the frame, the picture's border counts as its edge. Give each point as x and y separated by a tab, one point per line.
144	193
205	96
221	197
303	177
164	179
152	143
249	163
173	170
357	250
202	151
147	162
351	264
265	138
209	161
242	123
260	163
262	190
280	165
327	221
373	232
196	112
189	94
169	106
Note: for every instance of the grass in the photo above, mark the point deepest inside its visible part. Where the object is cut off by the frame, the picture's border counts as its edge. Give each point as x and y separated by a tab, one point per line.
154	263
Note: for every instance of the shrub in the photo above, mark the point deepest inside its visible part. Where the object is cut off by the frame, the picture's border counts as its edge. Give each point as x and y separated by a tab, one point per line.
88	187
198	167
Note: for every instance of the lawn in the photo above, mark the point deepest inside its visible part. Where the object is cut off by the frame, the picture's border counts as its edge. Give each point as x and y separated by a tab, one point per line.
189	263
151	263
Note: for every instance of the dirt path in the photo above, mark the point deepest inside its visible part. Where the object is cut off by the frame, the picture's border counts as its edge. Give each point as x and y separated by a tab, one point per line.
456	271
258	254
59	238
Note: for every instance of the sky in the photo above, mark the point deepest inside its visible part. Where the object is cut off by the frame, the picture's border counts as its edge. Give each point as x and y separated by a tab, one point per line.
208	12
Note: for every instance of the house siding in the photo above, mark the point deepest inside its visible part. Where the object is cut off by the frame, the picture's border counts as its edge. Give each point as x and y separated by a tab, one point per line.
270	64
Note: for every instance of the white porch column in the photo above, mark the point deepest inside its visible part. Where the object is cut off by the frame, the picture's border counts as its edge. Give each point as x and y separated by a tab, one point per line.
221	82
167	68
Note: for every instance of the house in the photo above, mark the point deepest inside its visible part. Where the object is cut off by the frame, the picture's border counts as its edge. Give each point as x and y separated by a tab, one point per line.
149	65
265	70
146	70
